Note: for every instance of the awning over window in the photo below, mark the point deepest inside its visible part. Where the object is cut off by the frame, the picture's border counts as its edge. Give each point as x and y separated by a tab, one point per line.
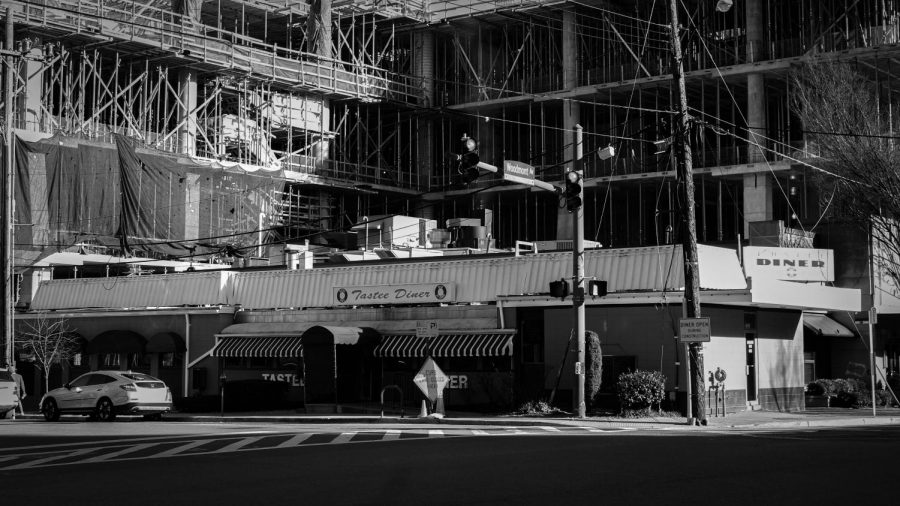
165	342
468	343
117	341
268	347
824	326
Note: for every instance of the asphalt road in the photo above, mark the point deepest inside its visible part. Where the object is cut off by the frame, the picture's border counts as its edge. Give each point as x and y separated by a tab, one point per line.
256	464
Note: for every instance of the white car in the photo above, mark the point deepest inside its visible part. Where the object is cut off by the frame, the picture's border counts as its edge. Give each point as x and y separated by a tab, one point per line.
9	395
105	394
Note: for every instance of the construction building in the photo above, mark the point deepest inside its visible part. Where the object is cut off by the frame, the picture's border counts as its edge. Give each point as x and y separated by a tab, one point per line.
191	129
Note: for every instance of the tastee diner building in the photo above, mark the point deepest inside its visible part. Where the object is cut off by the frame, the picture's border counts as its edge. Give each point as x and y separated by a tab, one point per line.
333	337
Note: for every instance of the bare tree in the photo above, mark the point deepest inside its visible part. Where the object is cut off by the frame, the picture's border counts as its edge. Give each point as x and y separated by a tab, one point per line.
853	125
50	340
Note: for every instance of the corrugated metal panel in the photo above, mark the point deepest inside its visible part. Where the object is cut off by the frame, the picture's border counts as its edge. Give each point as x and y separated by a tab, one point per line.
166	290
476	280
483	279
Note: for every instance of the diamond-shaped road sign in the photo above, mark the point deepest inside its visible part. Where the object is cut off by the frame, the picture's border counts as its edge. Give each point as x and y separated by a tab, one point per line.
431	380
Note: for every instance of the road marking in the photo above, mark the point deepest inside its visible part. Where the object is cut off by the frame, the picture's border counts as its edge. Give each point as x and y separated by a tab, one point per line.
479	432
8	457
294	441
124	451
549	429
40	462
185	447
435	433
343	437
237	445
391	435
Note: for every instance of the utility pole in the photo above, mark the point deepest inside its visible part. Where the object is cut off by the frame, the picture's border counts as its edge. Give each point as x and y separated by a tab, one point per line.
6	194
578	272
684	171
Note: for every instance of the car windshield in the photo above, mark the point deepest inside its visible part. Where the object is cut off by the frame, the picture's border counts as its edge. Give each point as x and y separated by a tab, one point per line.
138	376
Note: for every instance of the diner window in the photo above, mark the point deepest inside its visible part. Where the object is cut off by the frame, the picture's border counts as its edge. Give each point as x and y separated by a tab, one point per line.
76	359
138	360
110	359
167	360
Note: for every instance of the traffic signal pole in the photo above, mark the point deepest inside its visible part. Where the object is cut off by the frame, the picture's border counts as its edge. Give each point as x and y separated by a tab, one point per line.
578	275
684	170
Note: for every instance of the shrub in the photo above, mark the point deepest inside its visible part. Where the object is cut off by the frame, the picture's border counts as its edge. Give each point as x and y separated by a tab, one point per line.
641	390
593	369
821	387
536	408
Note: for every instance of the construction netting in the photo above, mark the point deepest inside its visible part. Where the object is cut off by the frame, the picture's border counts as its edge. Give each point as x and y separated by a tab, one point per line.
142	201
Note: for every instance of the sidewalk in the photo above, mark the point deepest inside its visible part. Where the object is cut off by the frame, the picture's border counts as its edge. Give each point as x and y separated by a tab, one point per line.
813	417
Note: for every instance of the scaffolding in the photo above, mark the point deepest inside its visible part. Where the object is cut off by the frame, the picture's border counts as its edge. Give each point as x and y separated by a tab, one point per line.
357	108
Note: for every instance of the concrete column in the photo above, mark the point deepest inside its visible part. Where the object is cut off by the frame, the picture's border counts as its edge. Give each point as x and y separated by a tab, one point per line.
756	96
187	134
569	51
30	101
423	67
758	191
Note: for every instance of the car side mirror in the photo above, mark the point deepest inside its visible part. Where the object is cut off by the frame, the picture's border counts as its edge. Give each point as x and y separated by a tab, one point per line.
68	386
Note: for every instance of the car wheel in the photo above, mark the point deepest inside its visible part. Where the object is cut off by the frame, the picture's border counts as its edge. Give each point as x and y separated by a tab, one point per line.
3	414
105	411
50	410
153	417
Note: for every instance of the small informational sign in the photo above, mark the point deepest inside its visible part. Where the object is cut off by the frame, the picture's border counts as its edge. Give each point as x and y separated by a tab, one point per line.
427	328
431	380
578	370
873	315
694	330
518	172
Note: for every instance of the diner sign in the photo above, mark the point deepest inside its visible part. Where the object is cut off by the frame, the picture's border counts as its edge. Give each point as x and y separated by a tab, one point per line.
789	264
394	294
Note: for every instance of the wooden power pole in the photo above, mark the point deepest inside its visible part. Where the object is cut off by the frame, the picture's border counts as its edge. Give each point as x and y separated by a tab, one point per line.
684	168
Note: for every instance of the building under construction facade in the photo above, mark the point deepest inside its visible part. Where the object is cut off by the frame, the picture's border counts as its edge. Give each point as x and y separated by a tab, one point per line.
342	110
184	129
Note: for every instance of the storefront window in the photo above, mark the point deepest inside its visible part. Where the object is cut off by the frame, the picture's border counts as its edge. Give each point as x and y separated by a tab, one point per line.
138	361
250	363
76	359
109	360
167	360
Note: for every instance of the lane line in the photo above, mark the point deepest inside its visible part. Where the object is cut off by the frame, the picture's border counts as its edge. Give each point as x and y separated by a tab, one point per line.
237	445
294	441
46	460
123	451
391	435
185	447
435	433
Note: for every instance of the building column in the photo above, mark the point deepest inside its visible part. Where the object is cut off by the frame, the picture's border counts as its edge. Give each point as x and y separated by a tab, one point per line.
187	96
423	67
758	191
571	113
30	101
756	91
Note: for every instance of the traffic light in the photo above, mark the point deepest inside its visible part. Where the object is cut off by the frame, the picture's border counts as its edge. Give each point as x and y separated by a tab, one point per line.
597	288
559	288
468	159
573	191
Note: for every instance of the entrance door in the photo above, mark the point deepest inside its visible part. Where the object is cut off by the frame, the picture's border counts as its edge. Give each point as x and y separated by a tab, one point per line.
751	370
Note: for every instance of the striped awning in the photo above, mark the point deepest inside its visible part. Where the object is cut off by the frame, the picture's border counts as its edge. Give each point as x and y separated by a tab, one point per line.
255	346
468	343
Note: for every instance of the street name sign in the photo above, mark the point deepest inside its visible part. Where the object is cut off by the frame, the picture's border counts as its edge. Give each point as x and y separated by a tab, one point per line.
694	330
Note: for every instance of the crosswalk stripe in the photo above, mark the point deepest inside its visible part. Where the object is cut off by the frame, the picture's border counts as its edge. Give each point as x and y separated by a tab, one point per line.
343	437
237	445
479	432
39	462
391	434
549	429
182	448
8	457
124	451
294	441
435	433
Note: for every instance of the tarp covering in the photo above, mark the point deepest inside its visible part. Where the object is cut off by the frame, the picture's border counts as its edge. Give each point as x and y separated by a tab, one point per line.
71	190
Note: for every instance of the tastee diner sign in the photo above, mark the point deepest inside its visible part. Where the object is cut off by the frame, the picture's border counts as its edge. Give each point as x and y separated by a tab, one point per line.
789	264
394	294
